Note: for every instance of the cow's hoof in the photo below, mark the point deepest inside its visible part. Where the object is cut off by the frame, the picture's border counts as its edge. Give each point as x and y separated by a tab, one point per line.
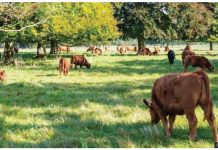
215	144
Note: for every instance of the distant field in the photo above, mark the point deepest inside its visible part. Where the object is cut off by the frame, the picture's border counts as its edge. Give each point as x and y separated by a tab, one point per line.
97	107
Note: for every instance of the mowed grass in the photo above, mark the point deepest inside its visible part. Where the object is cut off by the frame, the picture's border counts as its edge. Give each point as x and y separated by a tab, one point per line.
97	107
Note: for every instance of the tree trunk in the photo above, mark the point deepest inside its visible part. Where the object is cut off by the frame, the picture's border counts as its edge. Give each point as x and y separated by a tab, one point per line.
54	46
211	45
141	43
41	49
8	52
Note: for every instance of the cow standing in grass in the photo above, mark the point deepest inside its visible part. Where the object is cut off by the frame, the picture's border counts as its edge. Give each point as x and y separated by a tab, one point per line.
197	61
64	66
80	60
171	56
179	94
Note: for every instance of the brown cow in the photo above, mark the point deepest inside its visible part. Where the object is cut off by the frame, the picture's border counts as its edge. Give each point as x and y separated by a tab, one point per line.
157	49
64	48
79	60
64	66
91	48
188	48
185	53
197	61
167	48
144	51
121	49
97	51
128	48
2	75
179	94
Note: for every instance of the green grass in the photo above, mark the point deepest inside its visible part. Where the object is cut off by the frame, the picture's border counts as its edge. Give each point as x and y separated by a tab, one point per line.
97	107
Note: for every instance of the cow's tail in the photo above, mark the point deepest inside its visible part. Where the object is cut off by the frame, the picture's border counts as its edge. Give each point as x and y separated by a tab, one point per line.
205	79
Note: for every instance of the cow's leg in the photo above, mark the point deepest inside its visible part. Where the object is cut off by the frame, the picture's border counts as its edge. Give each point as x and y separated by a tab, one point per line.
185	67
165	125
192	120
210	119
171	122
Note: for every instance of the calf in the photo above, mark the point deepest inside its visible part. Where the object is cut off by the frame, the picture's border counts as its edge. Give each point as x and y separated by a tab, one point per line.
179	94
79	60
197	61
2	75
171	56
64	66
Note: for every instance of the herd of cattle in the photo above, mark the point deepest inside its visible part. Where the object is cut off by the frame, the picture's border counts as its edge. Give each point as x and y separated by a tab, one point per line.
172	94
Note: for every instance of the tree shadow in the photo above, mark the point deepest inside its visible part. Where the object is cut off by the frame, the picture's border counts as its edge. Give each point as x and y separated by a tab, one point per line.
76	132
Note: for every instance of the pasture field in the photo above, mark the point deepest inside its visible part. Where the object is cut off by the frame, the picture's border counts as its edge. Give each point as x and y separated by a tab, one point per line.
97	107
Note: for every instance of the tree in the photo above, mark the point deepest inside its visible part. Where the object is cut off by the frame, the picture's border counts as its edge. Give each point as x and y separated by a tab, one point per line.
14	19
164	21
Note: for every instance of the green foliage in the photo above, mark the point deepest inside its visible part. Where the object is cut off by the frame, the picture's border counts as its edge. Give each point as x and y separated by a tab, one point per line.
184	21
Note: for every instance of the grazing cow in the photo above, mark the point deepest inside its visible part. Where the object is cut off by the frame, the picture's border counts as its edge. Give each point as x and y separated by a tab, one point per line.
64	66
2	75
64	48
131	48
197	61
97	51
79	60
167	48
179	94
185	53
171	56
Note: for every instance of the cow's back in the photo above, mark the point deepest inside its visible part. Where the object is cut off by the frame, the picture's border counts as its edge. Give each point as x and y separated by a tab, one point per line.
173	92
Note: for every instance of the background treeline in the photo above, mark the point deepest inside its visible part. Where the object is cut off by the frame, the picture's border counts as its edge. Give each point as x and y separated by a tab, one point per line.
75	24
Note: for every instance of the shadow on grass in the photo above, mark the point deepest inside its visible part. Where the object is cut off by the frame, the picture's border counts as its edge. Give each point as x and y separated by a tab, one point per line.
112	93
75	132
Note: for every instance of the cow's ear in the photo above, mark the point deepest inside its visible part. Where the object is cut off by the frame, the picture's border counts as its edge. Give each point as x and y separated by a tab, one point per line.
147	103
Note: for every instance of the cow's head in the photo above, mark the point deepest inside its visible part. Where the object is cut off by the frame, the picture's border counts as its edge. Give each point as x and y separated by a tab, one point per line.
210	67
88	65
154	115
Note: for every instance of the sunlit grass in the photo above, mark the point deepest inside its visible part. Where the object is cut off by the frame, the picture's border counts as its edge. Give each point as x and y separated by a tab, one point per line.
97	107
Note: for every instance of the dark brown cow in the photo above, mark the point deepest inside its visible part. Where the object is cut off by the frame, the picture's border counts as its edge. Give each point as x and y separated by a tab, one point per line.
179	94
144	51
64	66
64	48
197	61
185	53
79	60
2	75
